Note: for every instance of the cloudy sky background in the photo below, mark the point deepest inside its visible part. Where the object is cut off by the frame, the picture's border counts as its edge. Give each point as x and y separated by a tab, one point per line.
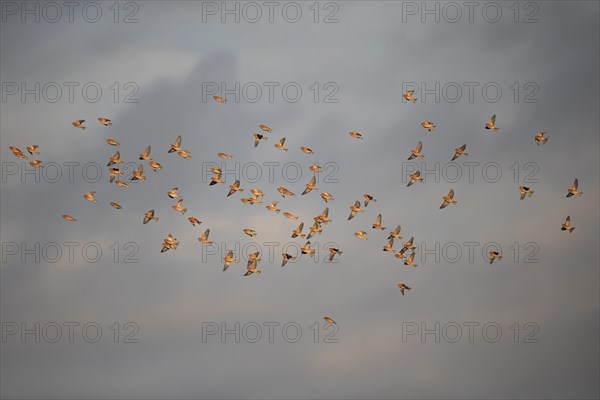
169	53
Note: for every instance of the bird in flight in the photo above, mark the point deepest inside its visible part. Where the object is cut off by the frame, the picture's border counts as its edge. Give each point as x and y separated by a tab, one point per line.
79	124
146	154
228	259
449	199
284	192
179	207
572	191
395	233
524	191
220	99
280	145
105	121
408	96
290	215
176	146
390	246
286	258
69	218
361	235
416	177
494	256
17	152
225	156
355	209
416	152
115	205
250	232
567	225
368	198
90	196
356	135
112	142
540	137
307	250
169	243
310	186
332	252
306	150
460	152
149	216
33	150
377	224
326	196
329	320
234	188
298	231
258	137
173	193
194	221
273	207
403	287
265	128
491	124
204	237
409	260
428	126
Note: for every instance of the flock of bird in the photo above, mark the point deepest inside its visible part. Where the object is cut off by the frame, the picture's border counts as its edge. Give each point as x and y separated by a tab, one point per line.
406	251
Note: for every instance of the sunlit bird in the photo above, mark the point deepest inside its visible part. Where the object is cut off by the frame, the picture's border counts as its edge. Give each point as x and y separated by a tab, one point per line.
273	207
149	216
173	193
409	260
115	205
310	186
316	168
265	128
194	221
250	232
403	287
329	320
225	156
17	152
105	121
286	258
138	174
395	233
416	152
491	124
494	256
33	149
289	215
540	137
169	243
449	199
429	126
35	163
567	225
204	237
367	198
524	191
258	137
307	250
306	150
228	259
389	246
281	145
154	165
116	159
333	251
176	146
460	152
112	142
361	235
90	196
284	192
326	196
179	207
354	209
377	224
408	96
572	191
146	154
69	218
79	124
234	188
416	177
356	135
220	99
298	231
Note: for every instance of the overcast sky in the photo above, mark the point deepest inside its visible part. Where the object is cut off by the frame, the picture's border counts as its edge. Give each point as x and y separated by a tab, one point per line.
344	66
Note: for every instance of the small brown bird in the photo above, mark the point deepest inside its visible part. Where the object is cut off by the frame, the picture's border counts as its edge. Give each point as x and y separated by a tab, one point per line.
332	252
400	254
258	137
289	215
306	150
265	128
69	218
33	149
572	191
323	218
220	99
149	216
286	258
184	154
409	260
368	198
416	177
567	225
494	256
257	193
194	221
316	168
449	199
307	250
356	135
298	231
250	200
252	267
416	152
105	121
354	209
234	188
395	233
403	287
280	145
114	172
460	152
176	146
179	207
329	320
225	156
273	207
228	259
409	245
408	96
169	243
524	191
116	159
310	186
284	192
115	205
146	154
216	179
361	235
204	237
173	193
112	142
326	196
429	126
389	246
35	163
492	124
122	184
377	224
138	174
17	152
79	124
540	137
250	232
154	165
314	229
90	196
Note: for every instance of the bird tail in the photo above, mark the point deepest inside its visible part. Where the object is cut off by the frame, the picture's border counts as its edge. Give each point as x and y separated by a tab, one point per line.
571	229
